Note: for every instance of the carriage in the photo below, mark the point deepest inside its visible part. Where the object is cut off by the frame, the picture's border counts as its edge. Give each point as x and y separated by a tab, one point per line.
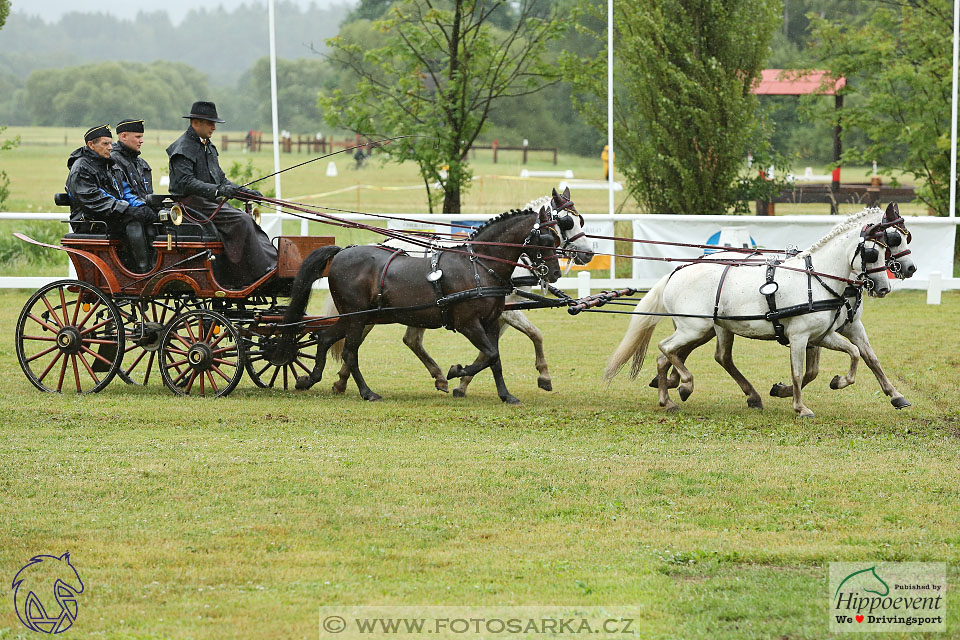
177	320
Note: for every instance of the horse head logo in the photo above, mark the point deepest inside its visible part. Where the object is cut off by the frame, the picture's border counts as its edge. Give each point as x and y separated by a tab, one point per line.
866	580
40	587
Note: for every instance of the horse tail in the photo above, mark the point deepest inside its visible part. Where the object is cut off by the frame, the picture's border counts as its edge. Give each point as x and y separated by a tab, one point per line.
336	350
310	271
637	338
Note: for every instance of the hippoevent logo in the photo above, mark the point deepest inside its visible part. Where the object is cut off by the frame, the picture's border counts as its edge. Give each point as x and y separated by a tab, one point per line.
887	596
45	593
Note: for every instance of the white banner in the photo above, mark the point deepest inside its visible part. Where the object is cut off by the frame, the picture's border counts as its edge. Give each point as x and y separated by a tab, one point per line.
932	246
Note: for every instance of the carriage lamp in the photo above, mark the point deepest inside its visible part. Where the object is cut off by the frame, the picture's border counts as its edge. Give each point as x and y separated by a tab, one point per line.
254	212
86	307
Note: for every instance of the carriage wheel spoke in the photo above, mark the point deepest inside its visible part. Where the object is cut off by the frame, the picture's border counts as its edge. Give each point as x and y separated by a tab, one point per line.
53	314
49	366
273	378
63	372
41	354
302	366
63	306
44	324
286	383
96	355
93	309
221	373
86	366
193	376
212	383
76	372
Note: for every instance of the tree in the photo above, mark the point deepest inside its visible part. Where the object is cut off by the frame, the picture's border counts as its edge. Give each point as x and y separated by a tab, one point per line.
298	83
684	114
4	12
898	72
437	69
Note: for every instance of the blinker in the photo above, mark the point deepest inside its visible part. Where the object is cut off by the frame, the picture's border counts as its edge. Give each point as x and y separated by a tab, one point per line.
892	238
871	254
565	222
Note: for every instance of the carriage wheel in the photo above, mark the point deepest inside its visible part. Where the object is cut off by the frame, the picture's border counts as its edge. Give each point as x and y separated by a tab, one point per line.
200	355
70	338
145	322
267	368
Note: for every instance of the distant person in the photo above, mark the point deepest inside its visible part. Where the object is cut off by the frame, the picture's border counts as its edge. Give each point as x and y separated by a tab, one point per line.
137	177
96	194
607	161
195	173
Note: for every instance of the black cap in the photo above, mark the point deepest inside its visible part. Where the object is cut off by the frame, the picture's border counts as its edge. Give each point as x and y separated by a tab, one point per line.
133	126
98	131
204	111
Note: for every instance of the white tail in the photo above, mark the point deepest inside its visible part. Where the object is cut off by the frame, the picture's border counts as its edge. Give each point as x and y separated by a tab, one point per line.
637	338
330	309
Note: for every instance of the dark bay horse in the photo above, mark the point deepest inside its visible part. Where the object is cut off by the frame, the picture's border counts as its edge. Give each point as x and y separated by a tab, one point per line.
461	287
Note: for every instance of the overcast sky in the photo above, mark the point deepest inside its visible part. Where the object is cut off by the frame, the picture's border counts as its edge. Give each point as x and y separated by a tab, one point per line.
51	10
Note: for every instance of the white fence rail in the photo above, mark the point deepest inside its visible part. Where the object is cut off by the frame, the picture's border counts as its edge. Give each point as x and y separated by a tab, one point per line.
932	245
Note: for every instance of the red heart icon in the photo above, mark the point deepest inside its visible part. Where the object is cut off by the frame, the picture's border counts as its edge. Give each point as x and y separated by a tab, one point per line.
859	618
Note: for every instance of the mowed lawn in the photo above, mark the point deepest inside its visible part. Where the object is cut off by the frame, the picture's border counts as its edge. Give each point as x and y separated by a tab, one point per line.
240	517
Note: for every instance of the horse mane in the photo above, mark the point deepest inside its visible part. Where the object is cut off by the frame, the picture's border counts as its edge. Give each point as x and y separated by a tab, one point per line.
852	221
538	204
503	216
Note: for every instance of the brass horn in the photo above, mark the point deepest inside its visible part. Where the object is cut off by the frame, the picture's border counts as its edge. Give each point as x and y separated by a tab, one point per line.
254	211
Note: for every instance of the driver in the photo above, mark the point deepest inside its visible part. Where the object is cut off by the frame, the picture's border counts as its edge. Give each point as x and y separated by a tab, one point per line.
195	173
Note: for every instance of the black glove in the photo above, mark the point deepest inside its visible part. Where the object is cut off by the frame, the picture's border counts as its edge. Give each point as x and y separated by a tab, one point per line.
228	191
143	214
251	194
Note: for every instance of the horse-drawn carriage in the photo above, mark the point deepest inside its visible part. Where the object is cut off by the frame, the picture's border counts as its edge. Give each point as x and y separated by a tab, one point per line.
178	319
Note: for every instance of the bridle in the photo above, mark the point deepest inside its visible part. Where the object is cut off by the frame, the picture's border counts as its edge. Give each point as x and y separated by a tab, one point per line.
888	234
559	219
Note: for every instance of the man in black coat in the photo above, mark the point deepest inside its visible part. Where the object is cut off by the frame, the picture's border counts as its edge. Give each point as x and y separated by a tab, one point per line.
96	195
195	173
136	179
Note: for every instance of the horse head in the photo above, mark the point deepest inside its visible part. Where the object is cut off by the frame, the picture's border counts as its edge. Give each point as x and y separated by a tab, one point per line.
896	237
570	227
883	247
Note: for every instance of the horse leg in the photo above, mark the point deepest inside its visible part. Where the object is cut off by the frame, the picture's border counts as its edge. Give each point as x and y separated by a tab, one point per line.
674	380
798	350
413	338
685	335
519	321
486	340
858	335
351	348
724	356
780	390
344	374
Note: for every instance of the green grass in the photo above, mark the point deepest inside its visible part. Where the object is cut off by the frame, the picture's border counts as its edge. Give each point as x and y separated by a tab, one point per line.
239	517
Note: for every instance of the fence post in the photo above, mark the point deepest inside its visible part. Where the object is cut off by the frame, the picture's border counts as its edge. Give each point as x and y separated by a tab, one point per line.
583	284
223	142
554	156
524	151
495	145
934	287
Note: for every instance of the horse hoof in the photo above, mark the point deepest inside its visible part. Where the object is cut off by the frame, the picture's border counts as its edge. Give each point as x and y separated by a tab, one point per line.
778	390
545	383
441	385
755	403
806	414
304	383
655	383
373	397
685	393
459	393
900	403
337	387
456	371
835	383
510	399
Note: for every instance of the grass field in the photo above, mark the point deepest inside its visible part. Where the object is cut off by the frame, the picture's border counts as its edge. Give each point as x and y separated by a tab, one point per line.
240	517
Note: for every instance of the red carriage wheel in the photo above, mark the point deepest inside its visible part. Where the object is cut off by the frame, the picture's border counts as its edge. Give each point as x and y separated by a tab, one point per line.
268	368
70	338
145	322
200	355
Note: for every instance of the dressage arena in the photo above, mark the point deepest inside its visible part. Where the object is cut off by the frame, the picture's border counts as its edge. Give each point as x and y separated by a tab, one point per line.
241	516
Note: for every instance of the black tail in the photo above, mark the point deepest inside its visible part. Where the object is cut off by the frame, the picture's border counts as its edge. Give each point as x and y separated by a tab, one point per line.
310	271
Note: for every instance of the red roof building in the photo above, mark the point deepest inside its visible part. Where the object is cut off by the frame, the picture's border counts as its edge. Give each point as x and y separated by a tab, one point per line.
789	82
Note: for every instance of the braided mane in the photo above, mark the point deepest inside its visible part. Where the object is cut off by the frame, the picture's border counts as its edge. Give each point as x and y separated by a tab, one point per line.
503	216
852	221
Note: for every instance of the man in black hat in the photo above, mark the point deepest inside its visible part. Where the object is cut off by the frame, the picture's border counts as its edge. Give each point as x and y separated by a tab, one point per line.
195	173
136	183
96	194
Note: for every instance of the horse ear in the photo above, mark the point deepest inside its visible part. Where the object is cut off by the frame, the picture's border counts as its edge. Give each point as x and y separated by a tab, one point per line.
892	212
566	193
555	194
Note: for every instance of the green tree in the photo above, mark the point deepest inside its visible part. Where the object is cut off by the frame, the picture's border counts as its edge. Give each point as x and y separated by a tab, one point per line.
4	12
898	71
437	69
298	84
5	145
684	115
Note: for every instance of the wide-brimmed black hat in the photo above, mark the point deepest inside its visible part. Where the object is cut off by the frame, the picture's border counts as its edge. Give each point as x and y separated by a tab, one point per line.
204	111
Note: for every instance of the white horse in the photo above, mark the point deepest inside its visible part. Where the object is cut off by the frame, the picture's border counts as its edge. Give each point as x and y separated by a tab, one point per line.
573	242
710	297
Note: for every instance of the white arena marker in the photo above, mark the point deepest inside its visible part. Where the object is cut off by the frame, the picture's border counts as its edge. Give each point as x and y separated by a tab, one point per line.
934	287
331	169
164	181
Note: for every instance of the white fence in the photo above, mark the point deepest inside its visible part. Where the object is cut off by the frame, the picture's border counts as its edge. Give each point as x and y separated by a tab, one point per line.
932	245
